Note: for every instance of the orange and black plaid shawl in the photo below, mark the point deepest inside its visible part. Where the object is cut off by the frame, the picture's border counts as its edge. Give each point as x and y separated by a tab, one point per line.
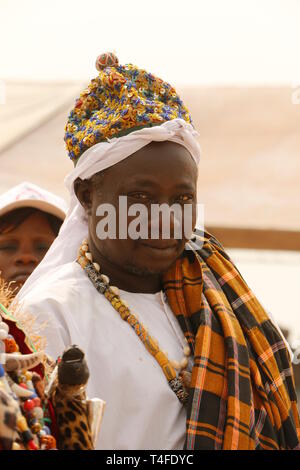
242	392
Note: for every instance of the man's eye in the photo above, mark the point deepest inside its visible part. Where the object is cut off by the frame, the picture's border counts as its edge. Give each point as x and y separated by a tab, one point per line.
142	196
185	197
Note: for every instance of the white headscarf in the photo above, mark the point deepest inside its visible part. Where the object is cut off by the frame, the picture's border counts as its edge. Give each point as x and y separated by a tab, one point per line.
97	158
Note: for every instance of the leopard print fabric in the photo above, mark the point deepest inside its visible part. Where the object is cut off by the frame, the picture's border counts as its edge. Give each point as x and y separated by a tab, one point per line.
72	419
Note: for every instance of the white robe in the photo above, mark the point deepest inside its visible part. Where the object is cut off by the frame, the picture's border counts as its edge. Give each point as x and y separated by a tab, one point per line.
142	412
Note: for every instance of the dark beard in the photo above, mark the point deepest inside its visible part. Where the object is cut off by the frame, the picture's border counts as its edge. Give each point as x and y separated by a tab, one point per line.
139	271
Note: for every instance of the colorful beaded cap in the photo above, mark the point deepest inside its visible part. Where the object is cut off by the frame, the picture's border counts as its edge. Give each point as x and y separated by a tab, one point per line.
120	100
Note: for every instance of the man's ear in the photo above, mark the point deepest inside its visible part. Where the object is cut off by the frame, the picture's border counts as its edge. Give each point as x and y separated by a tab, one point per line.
83	191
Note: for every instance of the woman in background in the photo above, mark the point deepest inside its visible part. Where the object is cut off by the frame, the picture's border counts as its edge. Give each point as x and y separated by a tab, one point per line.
30	219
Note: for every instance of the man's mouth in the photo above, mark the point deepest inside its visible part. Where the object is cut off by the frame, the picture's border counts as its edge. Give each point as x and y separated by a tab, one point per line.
161	247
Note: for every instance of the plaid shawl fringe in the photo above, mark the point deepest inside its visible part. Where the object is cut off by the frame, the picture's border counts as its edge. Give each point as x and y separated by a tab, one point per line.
242	391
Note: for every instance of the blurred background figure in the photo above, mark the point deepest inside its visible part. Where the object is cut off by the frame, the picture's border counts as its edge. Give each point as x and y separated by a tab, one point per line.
30	219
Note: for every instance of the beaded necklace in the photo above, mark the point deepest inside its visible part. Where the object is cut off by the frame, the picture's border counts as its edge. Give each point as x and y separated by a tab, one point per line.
179	383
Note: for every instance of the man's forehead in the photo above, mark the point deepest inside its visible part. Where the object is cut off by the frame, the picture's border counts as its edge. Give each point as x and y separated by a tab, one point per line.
158	163
165	146
153	157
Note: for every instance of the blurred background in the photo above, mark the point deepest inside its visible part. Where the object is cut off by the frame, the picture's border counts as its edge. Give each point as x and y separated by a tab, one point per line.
236	65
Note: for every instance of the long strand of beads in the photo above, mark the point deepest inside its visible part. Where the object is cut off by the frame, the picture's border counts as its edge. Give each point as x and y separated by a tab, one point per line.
178	383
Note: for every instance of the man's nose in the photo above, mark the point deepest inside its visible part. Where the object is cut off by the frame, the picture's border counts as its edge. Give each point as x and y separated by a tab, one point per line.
167	223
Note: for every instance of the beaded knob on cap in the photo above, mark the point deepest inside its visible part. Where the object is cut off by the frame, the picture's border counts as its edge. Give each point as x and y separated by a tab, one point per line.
108	59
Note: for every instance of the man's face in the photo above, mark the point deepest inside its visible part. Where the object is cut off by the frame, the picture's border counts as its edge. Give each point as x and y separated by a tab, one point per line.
23	247
160	173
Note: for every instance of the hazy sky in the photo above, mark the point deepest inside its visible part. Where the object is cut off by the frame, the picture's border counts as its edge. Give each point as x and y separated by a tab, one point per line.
185	42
